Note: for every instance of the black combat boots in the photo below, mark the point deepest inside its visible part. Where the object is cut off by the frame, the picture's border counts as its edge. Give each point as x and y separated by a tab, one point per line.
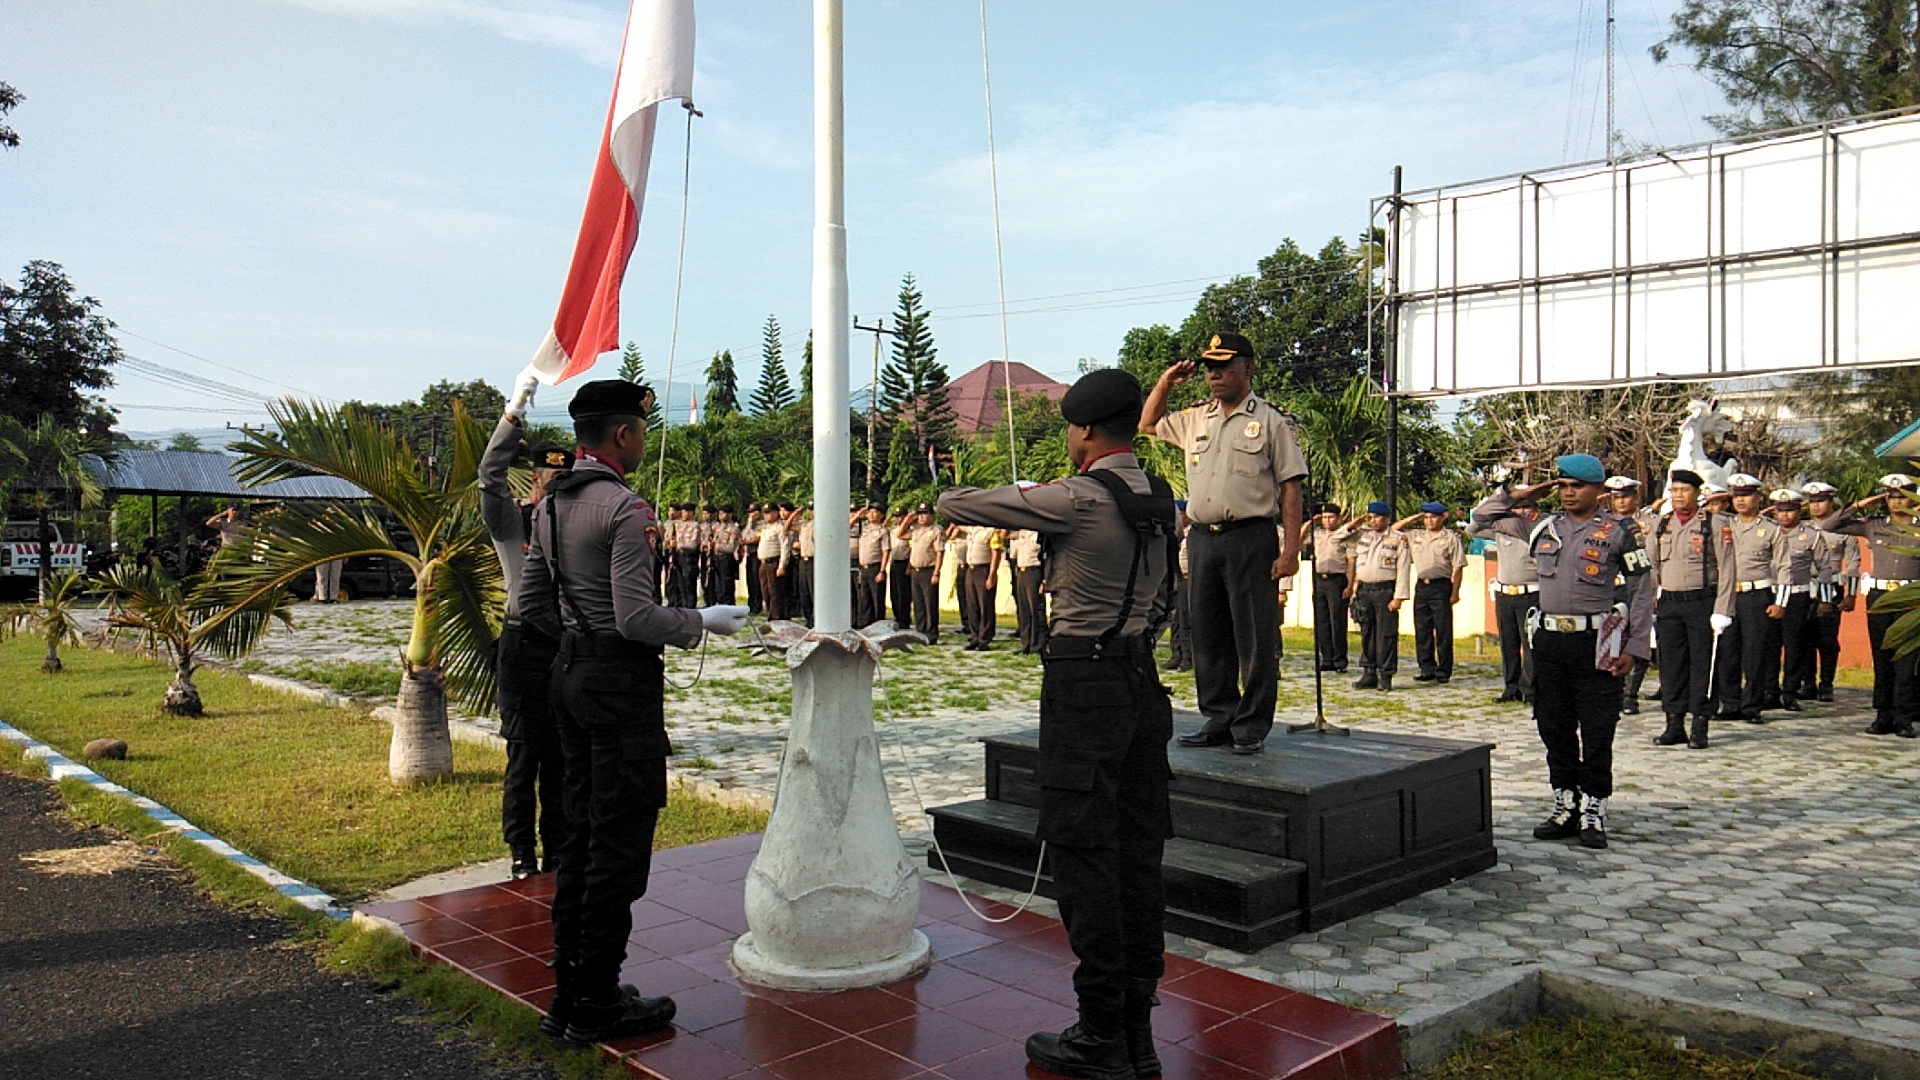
1137	1015
1676	732
1093	1049
1564	821
1697	738
621	1016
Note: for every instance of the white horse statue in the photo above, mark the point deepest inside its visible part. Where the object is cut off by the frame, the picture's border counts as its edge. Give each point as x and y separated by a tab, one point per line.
1703	418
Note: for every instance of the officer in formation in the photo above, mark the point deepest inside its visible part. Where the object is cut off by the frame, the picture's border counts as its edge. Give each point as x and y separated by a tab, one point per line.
1244	471
1804	588
685	539
1623	498
1382	570
984	547
1029	603
724	544
926	545
750	527
1332	586
589	570
1516	596
1686	551
1104	720
800	575
1896	680
771	551
955	538
900	571
1756	557
1576	704
871	549
1843	570
1439	562
532	802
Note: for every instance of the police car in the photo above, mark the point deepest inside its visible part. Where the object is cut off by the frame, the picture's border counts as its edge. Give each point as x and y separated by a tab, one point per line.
20	551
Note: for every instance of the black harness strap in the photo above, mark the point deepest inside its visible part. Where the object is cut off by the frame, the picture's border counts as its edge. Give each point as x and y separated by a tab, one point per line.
569	482
1148	516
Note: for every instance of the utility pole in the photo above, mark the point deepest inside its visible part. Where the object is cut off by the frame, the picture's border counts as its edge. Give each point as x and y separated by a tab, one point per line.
1610	140
873	390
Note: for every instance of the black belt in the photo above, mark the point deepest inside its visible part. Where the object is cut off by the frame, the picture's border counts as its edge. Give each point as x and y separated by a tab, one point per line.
1086	648
1324	577
1374	585
1686	595
1436	581
599	646
1235	523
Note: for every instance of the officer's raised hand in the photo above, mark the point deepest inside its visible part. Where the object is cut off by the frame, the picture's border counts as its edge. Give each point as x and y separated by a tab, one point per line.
1178	372
724	618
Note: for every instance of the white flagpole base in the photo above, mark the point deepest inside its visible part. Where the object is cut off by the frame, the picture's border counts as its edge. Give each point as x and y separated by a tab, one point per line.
764	971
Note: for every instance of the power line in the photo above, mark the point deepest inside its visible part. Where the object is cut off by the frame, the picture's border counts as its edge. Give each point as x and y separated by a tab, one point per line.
227	367
186	380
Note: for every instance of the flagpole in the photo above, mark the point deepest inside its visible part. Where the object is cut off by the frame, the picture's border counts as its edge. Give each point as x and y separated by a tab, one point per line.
832	585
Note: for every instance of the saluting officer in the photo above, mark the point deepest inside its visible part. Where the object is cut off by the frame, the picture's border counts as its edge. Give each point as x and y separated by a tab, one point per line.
1382	569
872	550
1576	704
900	572
1243	479
1896	680
1843	569
1439	562
1104	720
589	569
1623	498
1516	596
1332	586
1804	589
1758	563
802	573
532	793
1686	550
927	544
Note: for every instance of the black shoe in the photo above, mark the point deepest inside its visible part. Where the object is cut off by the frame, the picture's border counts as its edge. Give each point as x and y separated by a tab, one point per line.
1630	707
1697	734
1675	734
1080	1052
1249	746
1593	822
1825	694
622	1017
1790	704
1905	731
524	864
1508	697
1771	701
1365	682
1203	737
1443	679
1136	1017
1386	684
1882	725
1564	820
1424	677
1753	718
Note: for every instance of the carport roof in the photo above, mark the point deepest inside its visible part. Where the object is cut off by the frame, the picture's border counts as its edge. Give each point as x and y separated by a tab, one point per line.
192	472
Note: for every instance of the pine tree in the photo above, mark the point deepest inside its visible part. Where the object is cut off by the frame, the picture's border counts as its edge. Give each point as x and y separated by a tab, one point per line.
774	392
913	385
634	370
806	372
723	388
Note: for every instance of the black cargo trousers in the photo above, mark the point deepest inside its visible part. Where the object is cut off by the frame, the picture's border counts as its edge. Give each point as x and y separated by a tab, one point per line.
532	796
1104	726
608	706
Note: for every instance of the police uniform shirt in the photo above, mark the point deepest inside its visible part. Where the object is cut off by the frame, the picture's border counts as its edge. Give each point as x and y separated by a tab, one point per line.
923	543
1381	555
1236	461
607	565
804	542
981	540
1513	565
505	526
1759	552
686	535
875	543
725	537
1436	554
1881	538
1578	561
1024	547
898	549
1805	557
1329	555
1682	557
1091	546
771	544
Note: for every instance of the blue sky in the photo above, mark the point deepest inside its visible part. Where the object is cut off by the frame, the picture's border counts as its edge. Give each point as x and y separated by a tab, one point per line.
356	198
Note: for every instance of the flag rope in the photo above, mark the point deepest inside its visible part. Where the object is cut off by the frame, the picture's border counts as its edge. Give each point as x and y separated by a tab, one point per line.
999	260
679	279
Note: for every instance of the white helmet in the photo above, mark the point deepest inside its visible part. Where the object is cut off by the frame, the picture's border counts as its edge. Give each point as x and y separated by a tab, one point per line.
1816	488
1743	480
1787	496
1894	481
1619	484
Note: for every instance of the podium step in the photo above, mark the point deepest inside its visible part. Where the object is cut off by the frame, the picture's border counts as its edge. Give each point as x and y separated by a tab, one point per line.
1240	899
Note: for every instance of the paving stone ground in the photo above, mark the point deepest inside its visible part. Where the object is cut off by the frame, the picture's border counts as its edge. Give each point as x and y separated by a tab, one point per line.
1779	868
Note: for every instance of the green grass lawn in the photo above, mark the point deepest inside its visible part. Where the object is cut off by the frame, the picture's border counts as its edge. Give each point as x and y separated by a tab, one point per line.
301	786
1575	1049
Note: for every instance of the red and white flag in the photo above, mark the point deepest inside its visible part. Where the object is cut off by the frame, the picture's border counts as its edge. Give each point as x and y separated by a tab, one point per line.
656	65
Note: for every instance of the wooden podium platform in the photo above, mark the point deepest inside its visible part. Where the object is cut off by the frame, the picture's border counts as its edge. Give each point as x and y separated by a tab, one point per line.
1318	829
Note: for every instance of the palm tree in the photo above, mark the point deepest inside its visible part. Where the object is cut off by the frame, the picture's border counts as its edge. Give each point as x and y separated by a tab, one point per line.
43	458
185	617
458	593
50	618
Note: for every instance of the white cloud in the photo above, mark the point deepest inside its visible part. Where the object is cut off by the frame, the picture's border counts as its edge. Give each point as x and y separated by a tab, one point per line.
590	32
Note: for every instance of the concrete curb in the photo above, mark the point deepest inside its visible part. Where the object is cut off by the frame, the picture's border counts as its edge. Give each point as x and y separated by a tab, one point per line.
1509	999
320	695
59	767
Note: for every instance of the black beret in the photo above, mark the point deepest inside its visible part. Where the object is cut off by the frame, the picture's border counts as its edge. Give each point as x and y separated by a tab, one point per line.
923	508
1329	508
1686	476
551	455
786	506
609	397
1227	345
1102	395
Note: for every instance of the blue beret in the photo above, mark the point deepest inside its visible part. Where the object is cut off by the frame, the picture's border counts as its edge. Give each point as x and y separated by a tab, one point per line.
1378	507
1582	467
1433	508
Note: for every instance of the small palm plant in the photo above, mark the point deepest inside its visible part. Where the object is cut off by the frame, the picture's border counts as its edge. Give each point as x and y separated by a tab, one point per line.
459	596
51	617
184	619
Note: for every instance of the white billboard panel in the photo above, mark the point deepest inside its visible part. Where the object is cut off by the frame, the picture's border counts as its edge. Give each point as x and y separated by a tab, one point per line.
1798	252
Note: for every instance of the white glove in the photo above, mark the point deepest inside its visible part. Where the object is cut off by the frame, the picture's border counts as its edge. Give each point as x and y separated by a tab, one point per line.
1720	622
724	618
1025	484
523	388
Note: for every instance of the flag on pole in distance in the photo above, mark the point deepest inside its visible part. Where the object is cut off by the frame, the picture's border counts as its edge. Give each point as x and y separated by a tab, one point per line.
693	408
656	64
933	464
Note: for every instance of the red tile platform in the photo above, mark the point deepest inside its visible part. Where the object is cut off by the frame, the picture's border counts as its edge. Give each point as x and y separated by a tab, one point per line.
968	1017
